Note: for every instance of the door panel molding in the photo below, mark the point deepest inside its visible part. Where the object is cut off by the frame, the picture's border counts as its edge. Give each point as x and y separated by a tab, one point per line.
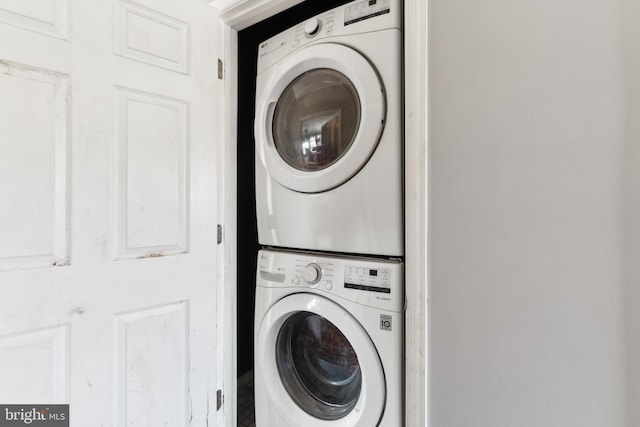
35	363
151	37
34	232
151	223
52	21
145	358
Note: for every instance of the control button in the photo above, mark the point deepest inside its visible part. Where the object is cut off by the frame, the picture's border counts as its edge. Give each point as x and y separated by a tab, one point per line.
329	286
312	273
312	27
296	280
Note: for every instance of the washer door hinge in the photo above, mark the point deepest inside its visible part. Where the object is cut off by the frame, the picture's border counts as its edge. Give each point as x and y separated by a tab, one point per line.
220	69
218	400
219	233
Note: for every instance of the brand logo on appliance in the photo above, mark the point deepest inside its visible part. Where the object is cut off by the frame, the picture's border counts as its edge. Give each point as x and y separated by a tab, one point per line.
385	322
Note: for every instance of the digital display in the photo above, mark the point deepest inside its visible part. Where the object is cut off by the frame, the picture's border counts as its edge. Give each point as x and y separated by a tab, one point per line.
366	9
368	279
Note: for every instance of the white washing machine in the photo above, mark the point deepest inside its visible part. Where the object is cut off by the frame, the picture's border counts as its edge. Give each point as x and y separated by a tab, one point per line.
328	130
328	341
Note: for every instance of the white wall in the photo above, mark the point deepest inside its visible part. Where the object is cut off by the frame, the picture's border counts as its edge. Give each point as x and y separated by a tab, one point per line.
534	186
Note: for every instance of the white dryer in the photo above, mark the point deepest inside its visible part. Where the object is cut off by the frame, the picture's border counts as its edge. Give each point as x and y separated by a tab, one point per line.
328	341
328	129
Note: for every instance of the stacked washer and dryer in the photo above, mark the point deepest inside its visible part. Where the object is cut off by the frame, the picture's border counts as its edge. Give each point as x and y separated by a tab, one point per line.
329	320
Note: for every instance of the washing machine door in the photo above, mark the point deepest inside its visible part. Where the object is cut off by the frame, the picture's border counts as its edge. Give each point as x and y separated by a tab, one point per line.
328	368
319	117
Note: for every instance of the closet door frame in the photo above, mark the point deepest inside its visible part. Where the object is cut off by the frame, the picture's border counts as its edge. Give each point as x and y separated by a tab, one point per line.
240	14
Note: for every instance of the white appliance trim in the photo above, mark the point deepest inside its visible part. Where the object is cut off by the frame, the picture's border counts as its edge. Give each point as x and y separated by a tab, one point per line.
416	31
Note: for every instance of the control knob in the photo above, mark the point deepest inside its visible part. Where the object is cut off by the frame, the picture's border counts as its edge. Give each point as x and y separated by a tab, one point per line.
312	27
312	273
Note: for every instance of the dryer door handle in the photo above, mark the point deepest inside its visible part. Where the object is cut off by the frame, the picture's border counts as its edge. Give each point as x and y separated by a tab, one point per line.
268	123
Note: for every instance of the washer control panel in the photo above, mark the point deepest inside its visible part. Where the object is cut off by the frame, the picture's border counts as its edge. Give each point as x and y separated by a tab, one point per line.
370	281
312	27
312	273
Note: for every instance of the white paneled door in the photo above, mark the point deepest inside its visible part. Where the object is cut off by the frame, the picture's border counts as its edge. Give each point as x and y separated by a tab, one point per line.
108	209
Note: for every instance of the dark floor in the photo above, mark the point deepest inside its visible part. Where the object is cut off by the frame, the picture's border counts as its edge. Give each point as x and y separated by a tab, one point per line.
246	411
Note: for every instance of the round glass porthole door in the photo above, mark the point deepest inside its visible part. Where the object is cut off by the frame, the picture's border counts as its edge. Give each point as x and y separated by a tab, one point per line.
320	114
318	366
316	119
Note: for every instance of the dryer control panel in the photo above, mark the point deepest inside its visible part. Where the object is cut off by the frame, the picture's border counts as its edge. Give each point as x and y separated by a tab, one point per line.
357	17
365	9
374	282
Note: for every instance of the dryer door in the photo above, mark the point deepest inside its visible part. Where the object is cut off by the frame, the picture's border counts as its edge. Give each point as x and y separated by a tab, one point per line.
328	368
319	117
